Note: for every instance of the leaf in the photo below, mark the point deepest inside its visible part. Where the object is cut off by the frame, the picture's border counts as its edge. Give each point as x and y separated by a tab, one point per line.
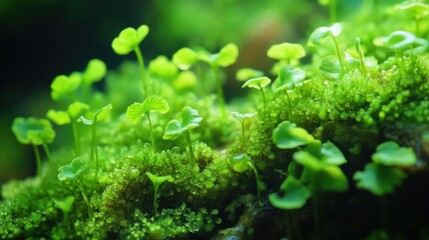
391	154
184	80
295	195
175	128
129	39
287	136
397	41
379	179
288	77
258	83
77	108
330	154
33	131
65	204
244	74
227	55
240	163
73	170
64	86
185	58
320	34
330	68
58	117
98	116
158	180
135	112
162	67
286	51
94	72
417	9
153	103
243	116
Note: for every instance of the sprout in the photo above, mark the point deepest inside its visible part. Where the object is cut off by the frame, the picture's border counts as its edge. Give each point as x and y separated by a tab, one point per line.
244	74
289	53
417	9
185	58
176	128
72	172
162	67
94	72
403	41
65	86
294	197
288	77
288	136
129	40
185	80
391	154
330	68
157	181
99	115
258	83
154	103
35	132
320	34
65	205
241	163
360	53
241	117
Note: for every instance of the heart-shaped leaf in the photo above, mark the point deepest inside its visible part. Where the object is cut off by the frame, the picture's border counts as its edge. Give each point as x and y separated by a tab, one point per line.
320	34
94	72
158	180
153	103
73	170
175	128
63	86
287	136
58	117
391	154
77	108
227	55
288	77
185	58
129	39
330	68
295	195
162	67
33	131
286	51
240	163
258	83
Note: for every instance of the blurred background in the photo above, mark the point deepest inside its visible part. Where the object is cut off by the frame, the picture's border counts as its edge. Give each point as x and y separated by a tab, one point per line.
41	39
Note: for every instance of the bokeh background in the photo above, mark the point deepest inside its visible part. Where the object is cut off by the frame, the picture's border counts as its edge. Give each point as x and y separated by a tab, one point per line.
40	39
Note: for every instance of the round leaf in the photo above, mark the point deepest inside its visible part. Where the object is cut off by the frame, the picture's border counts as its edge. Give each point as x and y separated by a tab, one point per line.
73	170
397	41
173	130
103	113
295	195
227	55
320	34
244	74
77	108
240	163
288	77
156	104
286	51
243	116
258	83
135	112
129	39
58	117
330	67
391	154
94	72
158	180
184	80
332	155
287	136
379	179
190	118
33	131
184	58
64	86
162	67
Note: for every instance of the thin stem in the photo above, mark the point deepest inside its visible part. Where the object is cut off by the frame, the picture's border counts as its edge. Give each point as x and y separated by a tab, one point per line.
258	190
191	151
220	96
289	105
263	98
418	26
85	198
151	132
142	68
76	138
333	11
155	199
337	48
48	153
242	135
94	152
38	159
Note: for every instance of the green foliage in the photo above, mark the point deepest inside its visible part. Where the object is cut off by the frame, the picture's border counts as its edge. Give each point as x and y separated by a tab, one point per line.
391	154
33	131
322	33
258	83
157	181
129	39
154	103
244	74
184	58
287	52
287	136
73	170
295	195
175	128
94	72
288	77
65	86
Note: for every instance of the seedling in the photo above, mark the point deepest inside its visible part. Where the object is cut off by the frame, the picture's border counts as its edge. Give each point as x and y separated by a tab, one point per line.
35	132
258	83
72	172
241	163
185	80
70	116
330	68
288	136
94	72
99	115
176	128
241	117
162	67
65	206
185	58
151	104
403	41
64	87
288	78
157	181
226	57
129	40
322	33
287	53
244	74
361	55
418	10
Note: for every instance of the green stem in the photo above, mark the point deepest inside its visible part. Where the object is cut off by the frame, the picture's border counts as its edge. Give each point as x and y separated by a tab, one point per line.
258	190
289	105
242	135
142	68
191	151
155	199
85	198
337	48
48	153
263	98
151	132
94	152
76	138
220	96
333	11
38	159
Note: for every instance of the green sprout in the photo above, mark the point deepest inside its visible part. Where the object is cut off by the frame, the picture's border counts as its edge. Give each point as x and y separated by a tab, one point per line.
288	136
35	132
176	128
244	74
163	68
72	172
241	163
157	181
226	57
94	72
185	80
403	41
129	40
320	34
99	115
418	10
241	117
185	58
287	53
330	67
151	104
259	83
288	78
65	206
70	116
64	87
361	55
